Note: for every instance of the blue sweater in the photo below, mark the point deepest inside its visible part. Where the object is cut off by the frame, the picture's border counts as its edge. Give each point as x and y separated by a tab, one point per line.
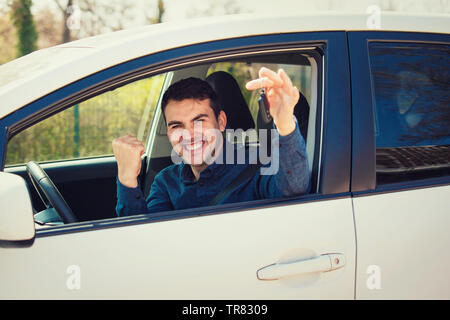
175	187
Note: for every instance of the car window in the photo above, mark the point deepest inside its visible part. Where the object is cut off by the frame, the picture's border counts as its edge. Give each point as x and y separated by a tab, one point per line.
300	70
298	66
87	129
300	76
411	85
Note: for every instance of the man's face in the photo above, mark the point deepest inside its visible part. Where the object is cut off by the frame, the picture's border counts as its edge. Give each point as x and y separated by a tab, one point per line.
194	130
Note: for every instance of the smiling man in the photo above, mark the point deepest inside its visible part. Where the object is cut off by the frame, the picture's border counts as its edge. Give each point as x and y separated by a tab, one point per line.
194	124
193	120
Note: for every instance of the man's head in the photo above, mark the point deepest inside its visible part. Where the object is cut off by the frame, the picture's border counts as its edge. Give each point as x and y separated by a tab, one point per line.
194	120
191	88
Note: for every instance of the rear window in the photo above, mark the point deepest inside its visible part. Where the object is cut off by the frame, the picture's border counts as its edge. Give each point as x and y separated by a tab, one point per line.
411	85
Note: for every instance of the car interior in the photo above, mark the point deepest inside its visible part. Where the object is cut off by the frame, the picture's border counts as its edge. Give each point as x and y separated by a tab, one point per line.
88	185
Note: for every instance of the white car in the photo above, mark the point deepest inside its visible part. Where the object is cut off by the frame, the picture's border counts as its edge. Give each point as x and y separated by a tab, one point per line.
374	112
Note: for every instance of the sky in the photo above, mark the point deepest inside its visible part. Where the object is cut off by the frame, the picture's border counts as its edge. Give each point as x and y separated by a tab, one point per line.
184	9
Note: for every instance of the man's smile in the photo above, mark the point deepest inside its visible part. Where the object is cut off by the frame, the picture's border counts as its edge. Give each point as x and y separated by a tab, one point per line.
194	146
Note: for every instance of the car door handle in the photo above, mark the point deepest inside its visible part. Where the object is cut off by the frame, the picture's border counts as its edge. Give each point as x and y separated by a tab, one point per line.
323	263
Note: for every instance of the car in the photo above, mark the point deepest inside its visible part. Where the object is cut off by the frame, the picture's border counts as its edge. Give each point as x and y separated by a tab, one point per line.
373	110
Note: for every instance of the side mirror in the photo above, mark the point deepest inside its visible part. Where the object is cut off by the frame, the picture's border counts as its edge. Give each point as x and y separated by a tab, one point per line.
16	212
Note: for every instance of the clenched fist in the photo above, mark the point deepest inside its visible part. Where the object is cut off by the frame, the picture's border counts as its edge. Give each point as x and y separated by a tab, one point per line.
128	151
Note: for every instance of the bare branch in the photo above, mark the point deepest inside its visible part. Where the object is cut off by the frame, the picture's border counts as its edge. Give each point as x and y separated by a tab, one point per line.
60	6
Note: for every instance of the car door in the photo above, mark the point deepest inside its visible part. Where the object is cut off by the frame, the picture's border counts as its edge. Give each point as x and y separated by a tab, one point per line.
400	85
295	248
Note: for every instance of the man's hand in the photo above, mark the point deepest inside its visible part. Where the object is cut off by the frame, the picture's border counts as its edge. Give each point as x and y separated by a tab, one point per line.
128	151
282	97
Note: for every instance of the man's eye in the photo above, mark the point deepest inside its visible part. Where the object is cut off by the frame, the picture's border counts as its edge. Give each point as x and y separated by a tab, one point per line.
176	126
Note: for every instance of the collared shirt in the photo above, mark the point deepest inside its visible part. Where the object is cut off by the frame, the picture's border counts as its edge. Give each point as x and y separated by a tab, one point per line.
175	187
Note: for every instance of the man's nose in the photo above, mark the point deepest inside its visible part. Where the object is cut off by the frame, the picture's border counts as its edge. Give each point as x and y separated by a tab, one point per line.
196	130
190	133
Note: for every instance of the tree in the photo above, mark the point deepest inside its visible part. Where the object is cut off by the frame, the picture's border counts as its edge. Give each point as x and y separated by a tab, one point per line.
23	21
222	7
7	38
66	13
161	11
159	15
48	26
96	17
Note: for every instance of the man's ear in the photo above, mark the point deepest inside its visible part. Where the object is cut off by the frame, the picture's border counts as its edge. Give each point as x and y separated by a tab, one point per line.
222	120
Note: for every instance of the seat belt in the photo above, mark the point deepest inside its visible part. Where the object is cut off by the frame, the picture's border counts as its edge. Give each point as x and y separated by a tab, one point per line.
251	169
246	174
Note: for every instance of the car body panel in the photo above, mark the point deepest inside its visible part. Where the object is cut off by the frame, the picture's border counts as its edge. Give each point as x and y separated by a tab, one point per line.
405	234
208	257
400	227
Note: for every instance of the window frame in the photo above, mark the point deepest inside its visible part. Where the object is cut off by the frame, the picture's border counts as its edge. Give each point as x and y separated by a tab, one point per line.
334	98
363	125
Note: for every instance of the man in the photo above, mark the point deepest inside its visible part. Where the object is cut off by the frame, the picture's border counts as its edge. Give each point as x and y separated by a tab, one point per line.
191	114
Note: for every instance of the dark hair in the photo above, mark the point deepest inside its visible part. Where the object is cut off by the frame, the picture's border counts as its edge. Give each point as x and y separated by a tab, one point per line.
191	88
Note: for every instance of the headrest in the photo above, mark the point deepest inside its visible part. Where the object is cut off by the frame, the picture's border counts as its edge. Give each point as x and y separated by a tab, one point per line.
301	112
231	100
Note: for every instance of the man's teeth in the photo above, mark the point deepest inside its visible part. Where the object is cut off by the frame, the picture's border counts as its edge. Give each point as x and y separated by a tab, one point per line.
194	146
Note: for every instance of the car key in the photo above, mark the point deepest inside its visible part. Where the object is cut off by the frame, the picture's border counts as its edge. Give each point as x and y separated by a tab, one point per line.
264	107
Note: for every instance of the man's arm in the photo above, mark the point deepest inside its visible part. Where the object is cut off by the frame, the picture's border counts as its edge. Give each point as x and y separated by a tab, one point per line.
288	172
128	151
292	175
130	199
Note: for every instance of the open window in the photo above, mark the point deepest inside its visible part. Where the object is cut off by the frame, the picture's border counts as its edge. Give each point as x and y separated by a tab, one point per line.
228	78
86	129
78	136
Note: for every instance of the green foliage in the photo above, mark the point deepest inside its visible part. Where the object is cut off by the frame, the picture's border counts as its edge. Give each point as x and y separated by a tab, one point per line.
101	119
7	39
23	21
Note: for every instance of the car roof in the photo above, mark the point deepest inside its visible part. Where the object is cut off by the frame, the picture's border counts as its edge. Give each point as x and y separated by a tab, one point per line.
30	77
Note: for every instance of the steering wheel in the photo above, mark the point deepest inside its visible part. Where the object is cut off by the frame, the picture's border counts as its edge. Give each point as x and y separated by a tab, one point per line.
52	198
